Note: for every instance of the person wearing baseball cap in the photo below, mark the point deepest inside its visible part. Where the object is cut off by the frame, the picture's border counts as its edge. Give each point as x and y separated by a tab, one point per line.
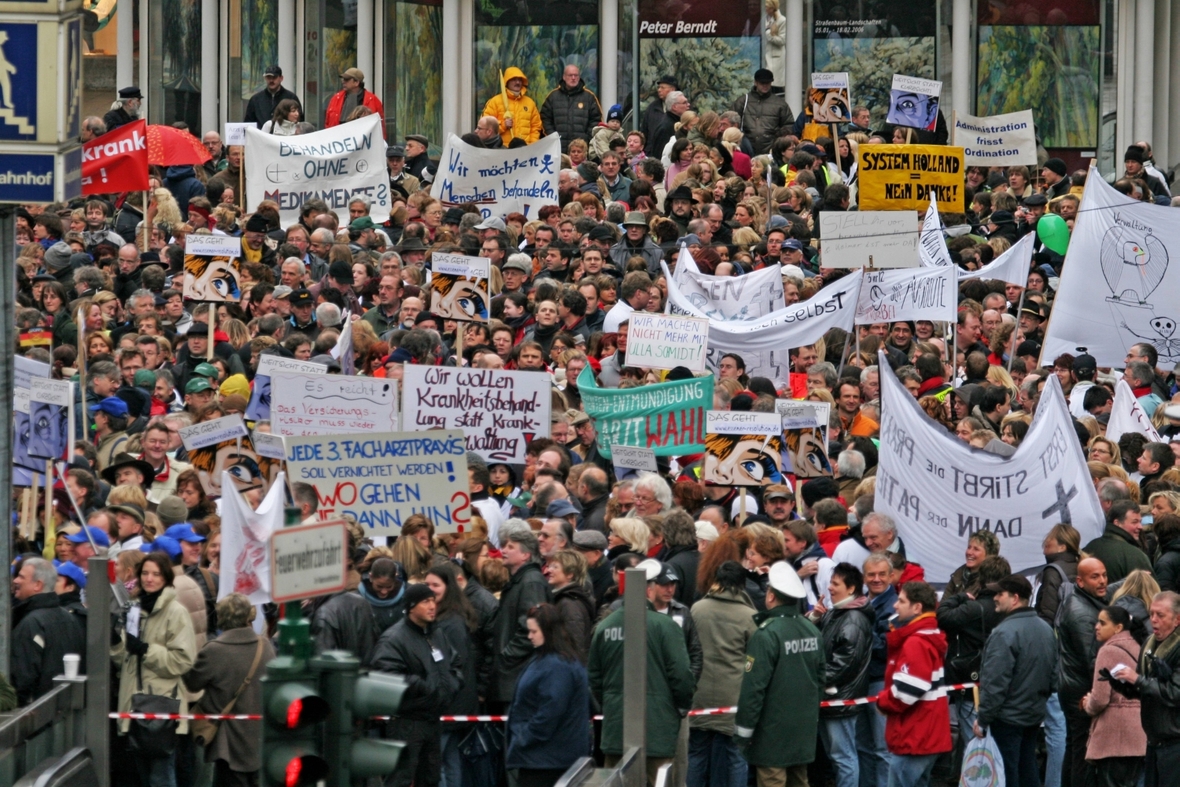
1017	674
84	549
778	707
592	544
198	392
351	96
669	694
416	650
111	417
399	179
261	107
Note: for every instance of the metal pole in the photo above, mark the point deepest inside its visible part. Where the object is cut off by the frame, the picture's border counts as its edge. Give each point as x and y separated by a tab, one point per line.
1019	308
7	326
98	671
636	107
635	667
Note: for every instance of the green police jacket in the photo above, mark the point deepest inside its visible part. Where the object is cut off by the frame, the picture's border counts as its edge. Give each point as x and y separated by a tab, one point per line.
778	708
670	683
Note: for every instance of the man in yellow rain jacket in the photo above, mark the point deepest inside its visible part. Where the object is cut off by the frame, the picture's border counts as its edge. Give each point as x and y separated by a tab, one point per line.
522	119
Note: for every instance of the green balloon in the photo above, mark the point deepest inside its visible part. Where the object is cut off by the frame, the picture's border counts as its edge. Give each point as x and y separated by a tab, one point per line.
1053	232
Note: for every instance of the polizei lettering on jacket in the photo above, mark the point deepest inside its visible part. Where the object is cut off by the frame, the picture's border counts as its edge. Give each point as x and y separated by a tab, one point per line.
805	645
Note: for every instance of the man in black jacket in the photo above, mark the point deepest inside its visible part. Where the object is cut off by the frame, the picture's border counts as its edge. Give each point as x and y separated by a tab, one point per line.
765	114
413	650
42	633
1016	679
654	114
570	109
526	588
1078	647
262	104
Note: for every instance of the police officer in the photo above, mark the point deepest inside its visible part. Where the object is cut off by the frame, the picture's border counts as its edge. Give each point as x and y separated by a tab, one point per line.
778	709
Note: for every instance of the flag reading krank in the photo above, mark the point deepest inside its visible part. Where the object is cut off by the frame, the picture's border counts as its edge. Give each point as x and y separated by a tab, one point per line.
907	177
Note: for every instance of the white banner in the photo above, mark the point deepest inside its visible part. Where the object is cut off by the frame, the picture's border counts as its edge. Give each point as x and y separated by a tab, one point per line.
742	422
213	245
932	248
765	343
207	433
797	414
501	181
303	404
336	165
1010	267
268	363
864	238
629	457
908	294
245	533
997	140
747	297
500	412
343	351
1117	287
939	490
1127	416
267	444
665	341
381	479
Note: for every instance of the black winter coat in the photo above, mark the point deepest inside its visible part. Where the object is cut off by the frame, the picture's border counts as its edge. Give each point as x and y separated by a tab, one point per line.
1049	594
571	112
485	606
682	616
431	667
847	633
345	622
43	633
512	649
1019	671
685	560
1167	566
262	105
1078	646
966	623
577	612
460	639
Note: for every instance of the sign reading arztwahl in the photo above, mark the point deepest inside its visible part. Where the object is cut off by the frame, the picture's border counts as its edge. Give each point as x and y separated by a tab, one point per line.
906	177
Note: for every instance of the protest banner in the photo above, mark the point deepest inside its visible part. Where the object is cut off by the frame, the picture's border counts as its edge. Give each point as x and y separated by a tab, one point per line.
116	161
932	250
629	457
1010	267
308	560
459	287
997	140
343	351
668	418
22	433
51	419
876	238
499	411
939	490
907	177
913	102
747	297
25	369
1128	417
212	268
501	181
381	479
912	294
267	444
207	433
235	133
805	432
828	100
666	341
236	459
1117	287
245	533
743	448
335	165
268	363
303	404
765	343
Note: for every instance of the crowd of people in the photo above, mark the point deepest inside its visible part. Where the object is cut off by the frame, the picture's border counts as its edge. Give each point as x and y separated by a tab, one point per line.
770	599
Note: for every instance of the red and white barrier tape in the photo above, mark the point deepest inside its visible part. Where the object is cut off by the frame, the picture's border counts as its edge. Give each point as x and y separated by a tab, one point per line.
697	712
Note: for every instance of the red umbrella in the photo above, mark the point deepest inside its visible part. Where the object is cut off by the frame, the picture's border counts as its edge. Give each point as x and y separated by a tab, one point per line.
169	147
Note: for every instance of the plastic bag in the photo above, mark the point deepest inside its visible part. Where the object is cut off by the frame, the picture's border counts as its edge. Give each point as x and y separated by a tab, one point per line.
982	764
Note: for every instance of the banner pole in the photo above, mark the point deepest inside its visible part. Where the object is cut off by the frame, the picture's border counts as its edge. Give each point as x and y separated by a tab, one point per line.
146	224
741	505
212	316
1019	309
836	148
242	179
82	374
48	526
459	345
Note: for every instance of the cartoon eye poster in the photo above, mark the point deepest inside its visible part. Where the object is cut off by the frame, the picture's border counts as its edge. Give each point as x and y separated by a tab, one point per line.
743	448
828	99
459	287
51	420
211	268
913	102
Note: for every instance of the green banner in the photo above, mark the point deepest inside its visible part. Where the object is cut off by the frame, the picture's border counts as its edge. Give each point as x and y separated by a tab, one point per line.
668	418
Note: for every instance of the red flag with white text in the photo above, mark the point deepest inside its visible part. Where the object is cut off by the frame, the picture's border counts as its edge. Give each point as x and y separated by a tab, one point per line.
116	161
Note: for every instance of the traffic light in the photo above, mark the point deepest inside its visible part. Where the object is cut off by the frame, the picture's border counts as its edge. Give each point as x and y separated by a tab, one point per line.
292	712
353	758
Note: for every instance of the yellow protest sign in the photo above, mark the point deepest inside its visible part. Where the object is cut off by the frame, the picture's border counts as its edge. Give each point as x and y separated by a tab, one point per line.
905	177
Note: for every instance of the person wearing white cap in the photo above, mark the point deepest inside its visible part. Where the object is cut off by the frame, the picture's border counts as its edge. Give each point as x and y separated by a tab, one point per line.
670	683
778	709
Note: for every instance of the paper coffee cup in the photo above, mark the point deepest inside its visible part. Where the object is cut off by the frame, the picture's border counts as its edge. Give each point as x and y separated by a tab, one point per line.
71	661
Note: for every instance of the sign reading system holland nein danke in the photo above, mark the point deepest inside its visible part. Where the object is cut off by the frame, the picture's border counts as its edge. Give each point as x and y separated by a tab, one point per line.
308	560
382	479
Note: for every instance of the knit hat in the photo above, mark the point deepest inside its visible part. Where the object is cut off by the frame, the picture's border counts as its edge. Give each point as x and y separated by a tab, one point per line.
1056	165
236	384
57	256
1134	153
416	594
172	510
257	223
